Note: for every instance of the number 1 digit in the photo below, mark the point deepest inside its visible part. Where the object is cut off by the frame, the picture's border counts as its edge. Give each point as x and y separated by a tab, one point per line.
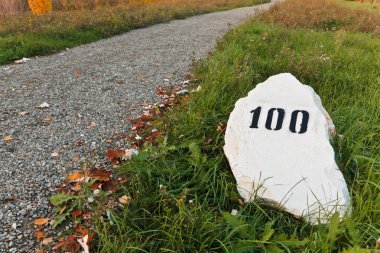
255	117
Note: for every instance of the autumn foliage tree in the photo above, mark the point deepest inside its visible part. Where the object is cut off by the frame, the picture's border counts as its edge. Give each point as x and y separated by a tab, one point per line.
40	7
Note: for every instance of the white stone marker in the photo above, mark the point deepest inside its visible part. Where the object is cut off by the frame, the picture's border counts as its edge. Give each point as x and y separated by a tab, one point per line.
277	144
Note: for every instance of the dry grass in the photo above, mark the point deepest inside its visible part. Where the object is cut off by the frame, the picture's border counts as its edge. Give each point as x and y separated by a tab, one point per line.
321	14
12	7
138	12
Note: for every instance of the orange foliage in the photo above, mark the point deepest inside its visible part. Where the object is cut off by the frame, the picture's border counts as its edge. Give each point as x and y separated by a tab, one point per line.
40	7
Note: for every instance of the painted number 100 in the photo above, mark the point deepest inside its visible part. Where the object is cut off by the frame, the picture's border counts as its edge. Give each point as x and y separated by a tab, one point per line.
280	119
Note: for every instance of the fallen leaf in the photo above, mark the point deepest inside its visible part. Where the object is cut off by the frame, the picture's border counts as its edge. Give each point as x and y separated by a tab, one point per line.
71	244
90	236
125	200
77	187
87	215
62	209
95	186
109	186
75	176
115	155
109	140
39	235
122	180
8	138
100	174
138	125
80	230
83	242
47	241
40	222
54	154
76	213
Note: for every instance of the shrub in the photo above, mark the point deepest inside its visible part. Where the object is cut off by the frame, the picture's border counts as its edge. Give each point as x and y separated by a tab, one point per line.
40	7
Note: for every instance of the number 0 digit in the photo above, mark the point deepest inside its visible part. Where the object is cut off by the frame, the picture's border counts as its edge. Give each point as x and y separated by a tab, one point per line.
304	123
280	119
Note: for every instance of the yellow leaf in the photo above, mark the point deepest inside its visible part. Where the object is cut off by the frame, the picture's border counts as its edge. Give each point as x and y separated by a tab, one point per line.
75	176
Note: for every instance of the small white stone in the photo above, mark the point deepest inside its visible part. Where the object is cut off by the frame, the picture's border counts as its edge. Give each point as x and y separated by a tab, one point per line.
44	105
14	226
23	60
182	92
277	144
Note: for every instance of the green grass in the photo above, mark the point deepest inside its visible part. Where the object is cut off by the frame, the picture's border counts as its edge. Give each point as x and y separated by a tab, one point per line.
28	35
186	168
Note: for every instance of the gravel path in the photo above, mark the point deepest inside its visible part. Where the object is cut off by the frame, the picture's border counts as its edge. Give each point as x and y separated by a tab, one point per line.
88	104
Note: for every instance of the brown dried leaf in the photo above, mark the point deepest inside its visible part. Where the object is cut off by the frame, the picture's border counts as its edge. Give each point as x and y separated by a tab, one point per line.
40	222
81	231
39	235
46	241
122	180
76	213
70	244
109	186
115	155
62	209
77	187
100	174
95	186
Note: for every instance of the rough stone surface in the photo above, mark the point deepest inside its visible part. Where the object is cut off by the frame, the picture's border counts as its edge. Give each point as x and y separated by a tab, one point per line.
292	168
91	91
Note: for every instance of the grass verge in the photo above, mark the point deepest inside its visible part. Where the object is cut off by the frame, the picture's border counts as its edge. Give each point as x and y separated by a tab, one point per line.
183	190
27	35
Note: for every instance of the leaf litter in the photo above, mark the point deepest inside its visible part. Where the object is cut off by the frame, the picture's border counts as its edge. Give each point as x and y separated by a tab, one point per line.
91	192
